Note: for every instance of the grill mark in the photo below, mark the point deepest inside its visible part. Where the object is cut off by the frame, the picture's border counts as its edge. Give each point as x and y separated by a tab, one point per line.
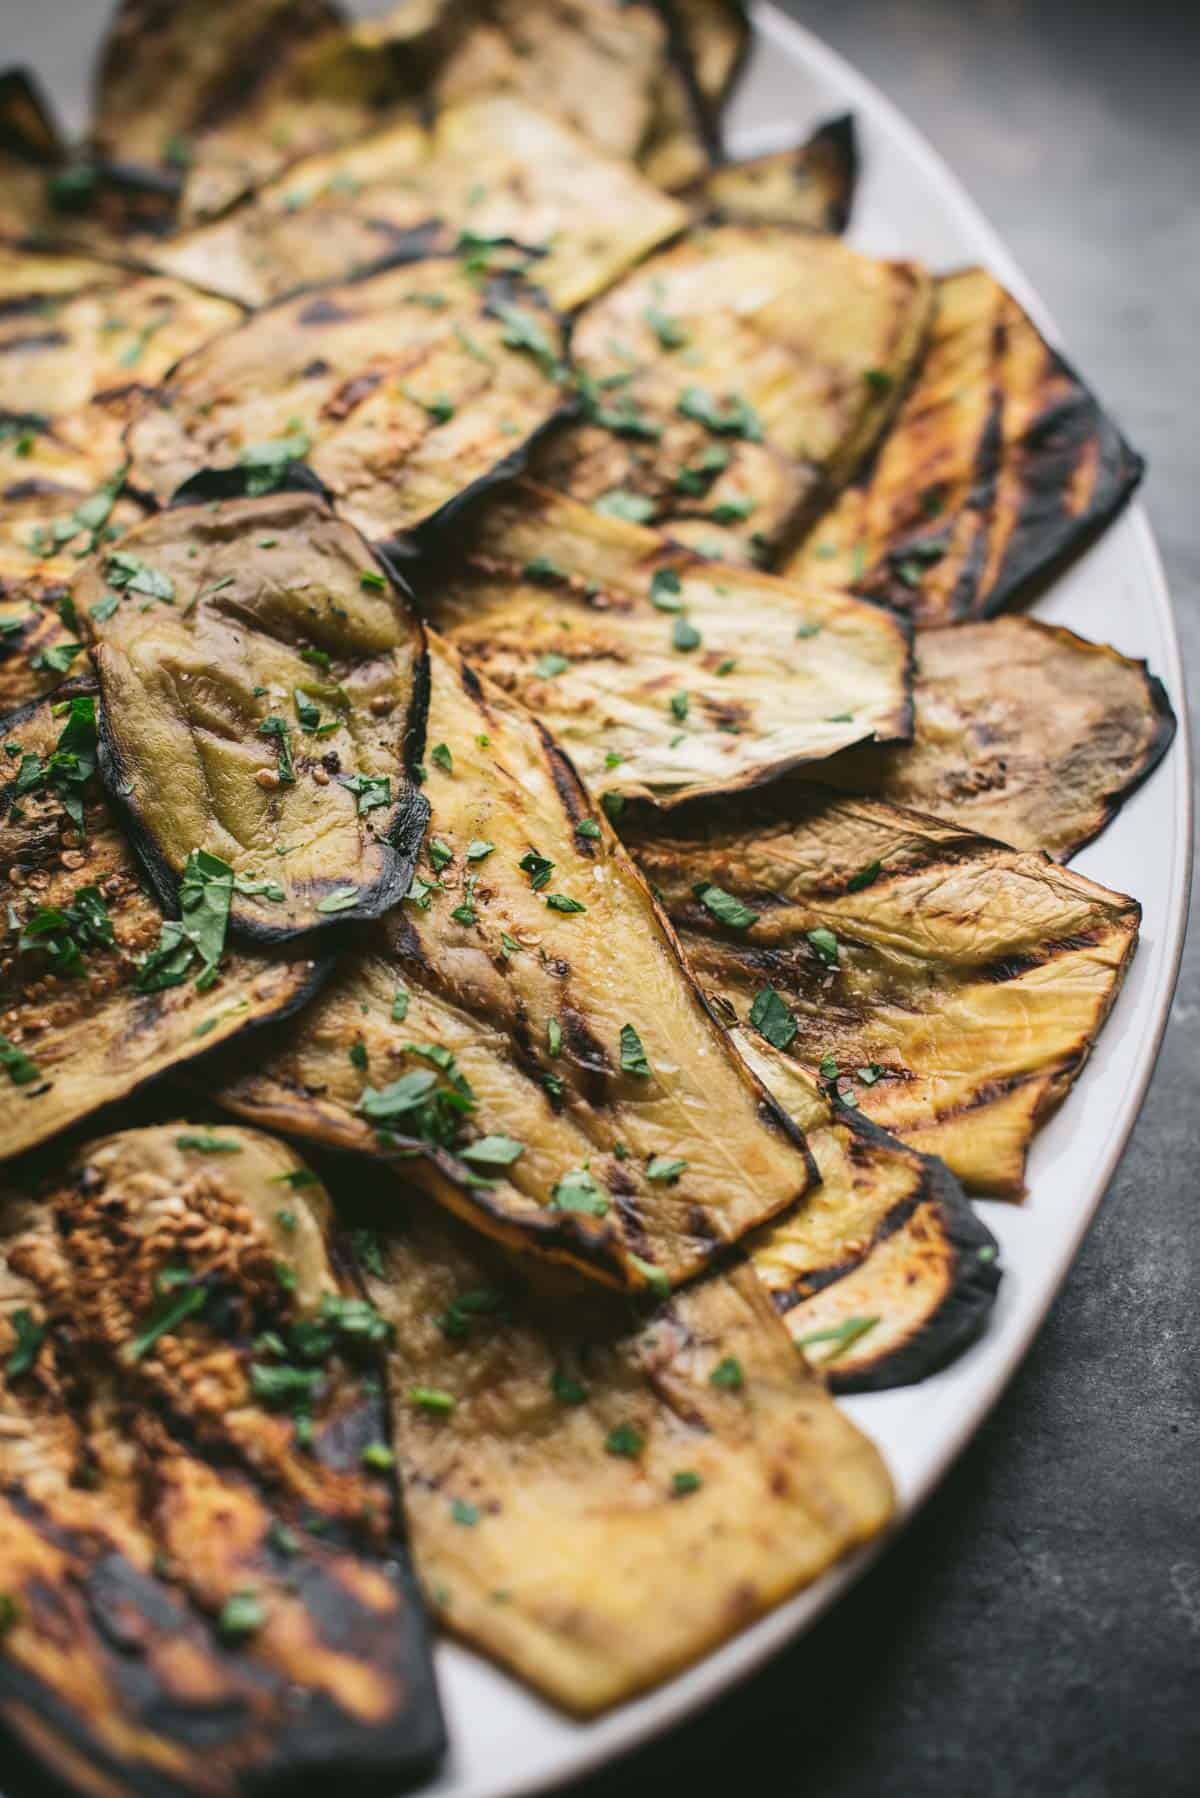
350	395
34	340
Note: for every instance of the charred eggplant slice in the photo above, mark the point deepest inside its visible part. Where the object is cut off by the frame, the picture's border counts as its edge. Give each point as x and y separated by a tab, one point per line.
55	507
566	1458
664	675
493	170
811	185
76	335
736	379
173	80
30	148
883	1273
404	392
999	467
95	1002
523	1037
594	65
263	688
707	41
1021	731
205	1586
949	987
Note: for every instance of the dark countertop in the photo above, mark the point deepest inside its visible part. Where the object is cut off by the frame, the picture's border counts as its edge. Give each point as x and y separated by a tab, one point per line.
1036	1633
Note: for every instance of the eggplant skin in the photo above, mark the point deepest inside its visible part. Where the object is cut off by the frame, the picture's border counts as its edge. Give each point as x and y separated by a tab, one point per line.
811	185
1022	731
421	388
574	1415
563	608
737	379
999	468
146	1485
279	621
952	987
883	1273
564	1006
92	1037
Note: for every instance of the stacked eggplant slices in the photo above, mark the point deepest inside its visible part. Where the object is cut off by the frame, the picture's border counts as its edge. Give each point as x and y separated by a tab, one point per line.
533	844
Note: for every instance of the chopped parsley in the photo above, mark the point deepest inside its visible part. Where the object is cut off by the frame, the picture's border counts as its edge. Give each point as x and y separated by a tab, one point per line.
619	502
371	790
547	666
441	758
29	1339
825	944
277	728
865	877
62	933
566	1390
578	1191
772	1019
341	899
195	941
242	1614
665	588
684	1483
266	464
666	1168
727	1375
842	1336
633	1055
736	418
625	1441
21	1069
202	1142
724	906
684	635
562	902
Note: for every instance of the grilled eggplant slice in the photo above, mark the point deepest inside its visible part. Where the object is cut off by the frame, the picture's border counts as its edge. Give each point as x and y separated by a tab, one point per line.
661	674
30	148
811	185
77	335
195	1600
999	467
404	392
263	693
732	381
707	40
55	507
950	987
594	64
525	1031
173	78
494	169
566	1458
883	1273
84	1021
1021	731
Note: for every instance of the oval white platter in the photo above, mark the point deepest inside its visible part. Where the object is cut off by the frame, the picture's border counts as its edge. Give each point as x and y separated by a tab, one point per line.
503	1740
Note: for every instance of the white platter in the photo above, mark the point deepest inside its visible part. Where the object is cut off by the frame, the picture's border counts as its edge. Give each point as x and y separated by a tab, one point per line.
504	1742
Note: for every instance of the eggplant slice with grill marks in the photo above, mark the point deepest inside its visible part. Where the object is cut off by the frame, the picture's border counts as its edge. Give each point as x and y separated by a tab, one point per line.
1000	465
883	1272
79	336
594	64
811	185
707	42
196	1599
567	1457
263	689
405	392
56	505
661	674
735	380
522	1036
172	81
947	985
493	169
93	1008
1022	731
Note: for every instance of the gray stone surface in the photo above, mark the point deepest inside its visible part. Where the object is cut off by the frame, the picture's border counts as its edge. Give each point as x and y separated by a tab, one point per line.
1036	1634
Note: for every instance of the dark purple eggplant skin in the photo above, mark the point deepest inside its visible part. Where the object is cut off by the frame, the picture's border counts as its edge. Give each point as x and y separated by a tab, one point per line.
971	1249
